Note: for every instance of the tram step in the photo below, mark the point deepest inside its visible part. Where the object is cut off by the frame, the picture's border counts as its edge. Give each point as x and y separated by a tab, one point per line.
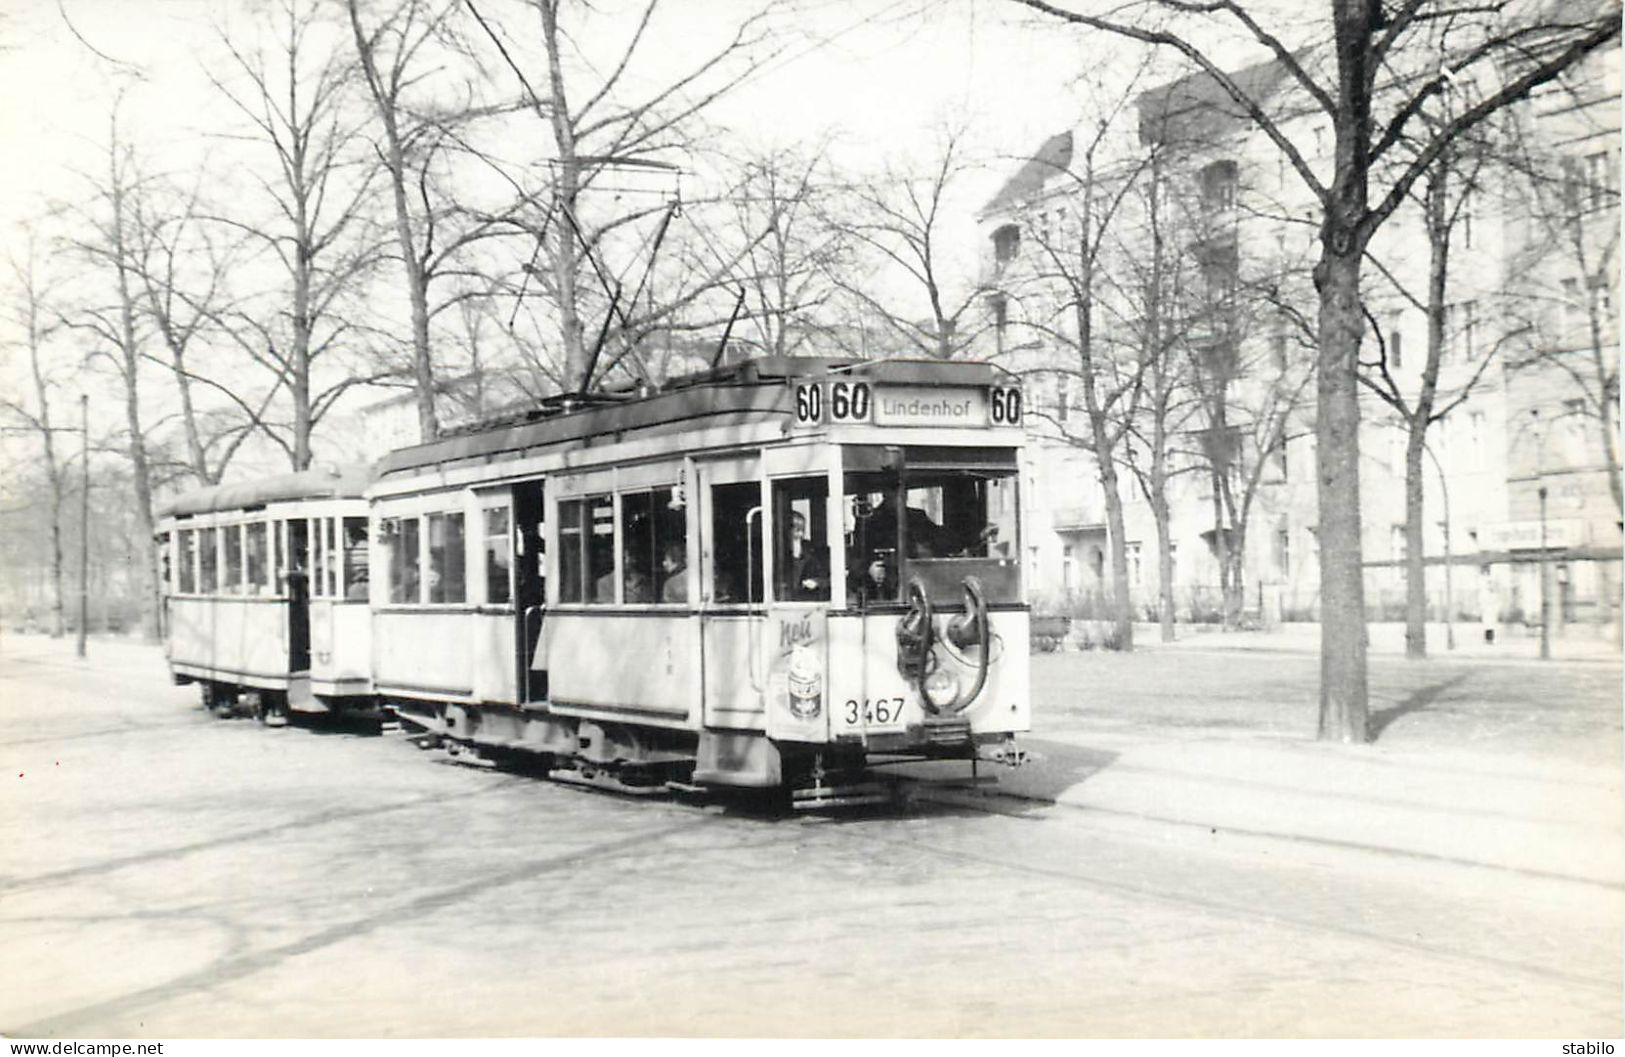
860	795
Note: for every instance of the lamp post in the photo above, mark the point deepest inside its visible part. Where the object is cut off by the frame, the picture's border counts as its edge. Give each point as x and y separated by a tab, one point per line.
1449	565
84	523
1540	491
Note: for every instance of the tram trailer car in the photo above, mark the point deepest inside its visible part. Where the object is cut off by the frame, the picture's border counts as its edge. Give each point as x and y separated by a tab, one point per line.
770	575
265	590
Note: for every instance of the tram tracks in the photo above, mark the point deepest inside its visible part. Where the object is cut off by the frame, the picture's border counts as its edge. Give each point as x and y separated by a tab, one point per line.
1142	890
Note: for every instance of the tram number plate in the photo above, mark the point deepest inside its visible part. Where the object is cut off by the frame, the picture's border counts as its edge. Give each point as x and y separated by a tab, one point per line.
1004	406
843	401
875	711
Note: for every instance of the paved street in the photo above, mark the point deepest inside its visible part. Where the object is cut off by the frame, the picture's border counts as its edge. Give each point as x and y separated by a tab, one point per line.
1183	860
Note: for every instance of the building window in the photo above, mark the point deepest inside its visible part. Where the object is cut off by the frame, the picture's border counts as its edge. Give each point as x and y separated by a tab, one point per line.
1278	351
1283	552
1396	340
1133	550
1469	330
1219	185
1006	243
1000	306
1063	397
1570	308
1397	542
1597	181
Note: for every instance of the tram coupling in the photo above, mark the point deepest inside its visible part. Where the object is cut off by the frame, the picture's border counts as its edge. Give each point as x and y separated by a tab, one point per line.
1007	752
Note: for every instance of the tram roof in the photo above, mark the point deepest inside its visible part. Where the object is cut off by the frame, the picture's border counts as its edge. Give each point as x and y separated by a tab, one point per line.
346	481
738	393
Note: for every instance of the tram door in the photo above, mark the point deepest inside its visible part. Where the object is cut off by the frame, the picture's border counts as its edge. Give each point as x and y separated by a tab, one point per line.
730	519
530	588
298	596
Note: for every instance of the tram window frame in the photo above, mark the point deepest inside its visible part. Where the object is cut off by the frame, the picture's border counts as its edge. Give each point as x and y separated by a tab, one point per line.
208	560
447	574
166	563
401	542
584	577
735	538
232	581
279	548
650	529
318	563
255	554
354	567
804	497
991	552
186	560
497	551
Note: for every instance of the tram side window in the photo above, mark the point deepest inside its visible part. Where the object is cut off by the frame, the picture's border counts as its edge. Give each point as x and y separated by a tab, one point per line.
166	569
208	557
232	583
318	578
400	544
498	557
356	572
654	548
447	559
330	568
736	542
587	550
278	570
188	561
254	559
800	540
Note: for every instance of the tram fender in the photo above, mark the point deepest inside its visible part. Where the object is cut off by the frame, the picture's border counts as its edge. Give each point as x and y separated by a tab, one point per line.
738	758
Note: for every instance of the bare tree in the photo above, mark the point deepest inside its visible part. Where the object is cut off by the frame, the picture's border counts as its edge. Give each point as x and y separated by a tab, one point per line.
610	120
1376	68
897	220
108	245
29	311
790	253
295	89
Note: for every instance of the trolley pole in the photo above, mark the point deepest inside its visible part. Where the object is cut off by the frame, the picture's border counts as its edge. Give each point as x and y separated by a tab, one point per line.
84	523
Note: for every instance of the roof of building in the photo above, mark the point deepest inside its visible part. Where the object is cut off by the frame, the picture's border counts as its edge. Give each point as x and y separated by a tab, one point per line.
1198	108
347	481
1053	157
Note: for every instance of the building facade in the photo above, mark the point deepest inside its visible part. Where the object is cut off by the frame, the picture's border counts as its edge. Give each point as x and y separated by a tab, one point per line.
1190	237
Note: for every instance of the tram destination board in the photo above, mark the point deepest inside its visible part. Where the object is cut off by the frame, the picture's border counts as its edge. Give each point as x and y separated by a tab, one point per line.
843	401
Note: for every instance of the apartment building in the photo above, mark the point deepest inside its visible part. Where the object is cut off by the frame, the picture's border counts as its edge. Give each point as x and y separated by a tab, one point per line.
1191	238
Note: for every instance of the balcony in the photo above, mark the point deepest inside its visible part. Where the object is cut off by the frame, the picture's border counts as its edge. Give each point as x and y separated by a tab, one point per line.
1076	519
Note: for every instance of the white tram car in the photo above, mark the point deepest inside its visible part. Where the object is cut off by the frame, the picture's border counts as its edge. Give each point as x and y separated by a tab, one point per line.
772	575
764	576
266	592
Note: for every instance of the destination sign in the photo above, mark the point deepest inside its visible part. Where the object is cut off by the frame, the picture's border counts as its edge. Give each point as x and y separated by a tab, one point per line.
851	401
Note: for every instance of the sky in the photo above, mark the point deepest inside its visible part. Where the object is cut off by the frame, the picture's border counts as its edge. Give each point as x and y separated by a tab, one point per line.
874	77
881	85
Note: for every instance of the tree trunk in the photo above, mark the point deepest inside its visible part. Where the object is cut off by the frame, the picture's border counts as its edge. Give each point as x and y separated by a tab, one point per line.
53	473
1420	416
565	259
1165	568
1343	688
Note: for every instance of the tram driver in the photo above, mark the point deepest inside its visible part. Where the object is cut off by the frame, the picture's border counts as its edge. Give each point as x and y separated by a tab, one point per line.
804	574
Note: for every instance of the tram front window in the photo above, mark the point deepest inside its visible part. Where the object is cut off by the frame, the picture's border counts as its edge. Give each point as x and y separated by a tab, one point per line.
800	546
940	523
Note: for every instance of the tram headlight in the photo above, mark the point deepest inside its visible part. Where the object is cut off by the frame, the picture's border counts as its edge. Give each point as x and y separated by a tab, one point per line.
942	686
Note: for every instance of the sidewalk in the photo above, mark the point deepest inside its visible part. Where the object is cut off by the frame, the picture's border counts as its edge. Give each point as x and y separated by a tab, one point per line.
1575	642
1543	818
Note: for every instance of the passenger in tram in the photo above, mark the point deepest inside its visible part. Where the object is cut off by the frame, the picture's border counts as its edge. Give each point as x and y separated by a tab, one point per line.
874	580
356	572
674	570
806	573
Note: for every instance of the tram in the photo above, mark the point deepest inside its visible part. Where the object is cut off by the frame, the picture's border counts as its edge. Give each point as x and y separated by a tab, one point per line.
266	592
773	575
768	575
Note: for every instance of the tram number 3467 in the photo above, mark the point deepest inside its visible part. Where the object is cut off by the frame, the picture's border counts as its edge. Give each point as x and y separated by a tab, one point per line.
847	402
